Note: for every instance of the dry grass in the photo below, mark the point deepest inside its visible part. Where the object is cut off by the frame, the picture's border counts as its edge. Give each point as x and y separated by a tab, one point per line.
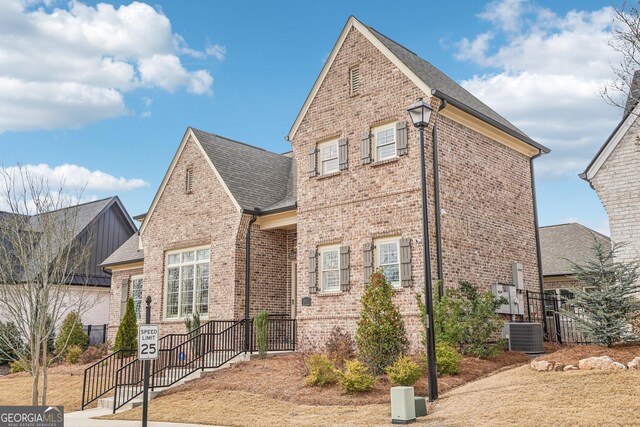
570	355
517	396
65	387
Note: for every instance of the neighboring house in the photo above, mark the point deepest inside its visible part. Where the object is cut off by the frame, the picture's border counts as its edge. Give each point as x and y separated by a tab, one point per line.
561	245
614	173
107	225
345	201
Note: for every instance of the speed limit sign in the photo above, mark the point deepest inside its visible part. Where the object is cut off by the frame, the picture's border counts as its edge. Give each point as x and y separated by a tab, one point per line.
148	336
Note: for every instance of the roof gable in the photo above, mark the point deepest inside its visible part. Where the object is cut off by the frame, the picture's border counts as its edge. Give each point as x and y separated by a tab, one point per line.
424	75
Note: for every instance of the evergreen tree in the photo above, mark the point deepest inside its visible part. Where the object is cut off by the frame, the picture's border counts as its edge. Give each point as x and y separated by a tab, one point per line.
71	333
127	336
607	309
381	336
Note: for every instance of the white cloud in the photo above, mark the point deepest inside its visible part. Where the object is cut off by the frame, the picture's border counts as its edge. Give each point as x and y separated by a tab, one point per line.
81	60
546	78
74	177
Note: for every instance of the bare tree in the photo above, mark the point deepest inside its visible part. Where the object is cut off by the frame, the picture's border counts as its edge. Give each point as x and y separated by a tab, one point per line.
624	90
40	255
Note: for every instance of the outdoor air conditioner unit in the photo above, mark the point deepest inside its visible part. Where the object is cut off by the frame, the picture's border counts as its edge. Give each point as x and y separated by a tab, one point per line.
525	337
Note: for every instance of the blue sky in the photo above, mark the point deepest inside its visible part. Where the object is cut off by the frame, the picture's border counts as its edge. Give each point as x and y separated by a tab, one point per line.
103	93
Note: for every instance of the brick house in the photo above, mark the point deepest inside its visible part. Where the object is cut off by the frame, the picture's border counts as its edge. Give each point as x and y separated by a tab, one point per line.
613	174
344	201
560	244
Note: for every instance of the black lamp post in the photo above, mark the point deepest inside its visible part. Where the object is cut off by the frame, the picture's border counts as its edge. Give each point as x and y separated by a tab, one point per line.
420	112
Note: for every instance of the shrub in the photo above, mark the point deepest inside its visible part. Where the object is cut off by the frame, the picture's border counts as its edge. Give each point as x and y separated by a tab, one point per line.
127	336
404	372
605	312
340	346
18	366
381	336
71	334
467	319
11	344
356	377
93	354
72	355
260	327
321	371
447	359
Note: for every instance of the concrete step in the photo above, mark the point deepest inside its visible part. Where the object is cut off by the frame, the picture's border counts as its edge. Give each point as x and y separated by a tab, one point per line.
107	402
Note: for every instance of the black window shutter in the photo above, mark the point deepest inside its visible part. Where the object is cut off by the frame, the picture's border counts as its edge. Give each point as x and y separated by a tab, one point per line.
367	261
313	271
313	164
401	138
344	268
365	147
405	262
124	296
343	154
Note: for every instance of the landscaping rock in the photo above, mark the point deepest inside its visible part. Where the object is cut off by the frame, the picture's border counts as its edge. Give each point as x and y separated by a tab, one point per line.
570	368
558	366
603	362
541	365
634	364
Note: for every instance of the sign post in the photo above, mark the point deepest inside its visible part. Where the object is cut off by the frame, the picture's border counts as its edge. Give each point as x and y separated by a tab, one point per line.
147	351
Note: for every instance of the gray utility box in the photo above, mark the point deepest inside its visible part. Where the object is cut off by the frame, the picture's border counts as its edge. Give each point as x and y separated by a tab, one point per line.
511	294
403	405
525	337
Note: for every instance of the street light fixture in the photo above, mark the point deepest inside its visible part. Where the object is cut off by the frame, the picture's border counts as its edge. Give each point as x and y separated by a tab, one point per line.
420	112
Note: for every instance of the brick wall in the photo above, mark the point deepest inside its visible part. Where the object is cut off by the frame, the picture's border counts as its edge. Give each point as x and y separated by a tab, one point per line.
562	282
207	216
618	188
115	305
487	220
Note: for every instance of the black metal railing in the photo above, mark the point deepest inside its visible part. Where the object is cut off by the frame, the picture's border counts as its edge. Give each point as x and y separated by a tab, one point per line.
97	333
210	346
561	328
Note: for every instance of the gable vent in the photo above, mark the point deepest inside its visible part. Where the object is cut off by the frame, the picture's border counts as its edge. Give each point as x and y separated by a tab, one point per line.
354	81
188	184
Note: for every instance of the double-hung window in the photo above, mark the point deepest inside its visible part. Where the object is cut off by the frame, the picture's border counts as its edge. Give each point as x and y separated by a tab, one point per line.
329	162
387	256
187	288
330	268
136	295
385	141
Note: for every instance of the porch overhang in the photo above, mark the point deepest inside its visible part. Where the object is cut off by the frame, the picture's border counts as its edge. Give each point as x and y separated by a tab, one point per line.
284	220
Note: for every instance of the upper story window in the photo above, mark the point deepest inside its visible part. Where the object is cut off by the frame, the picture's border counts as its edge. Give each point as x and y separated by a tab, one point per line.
355	81
187	283
188	182
385	141
329	162
330	268
387	257
136	295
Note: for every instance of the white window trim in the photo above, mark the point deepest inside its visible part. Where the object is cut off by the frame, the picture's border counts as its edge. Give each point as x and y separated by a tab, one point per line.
376	256
374	145
321	161
321	251
166	280
142	312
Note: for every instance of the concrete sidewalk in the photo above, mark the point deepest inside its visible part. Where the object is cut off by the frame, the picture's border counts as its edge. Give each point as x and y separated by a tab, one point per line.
85	419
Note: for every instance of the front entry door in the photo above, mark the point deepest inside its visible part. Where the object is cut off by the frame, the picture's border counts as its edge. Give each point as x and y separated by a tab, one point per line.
293	290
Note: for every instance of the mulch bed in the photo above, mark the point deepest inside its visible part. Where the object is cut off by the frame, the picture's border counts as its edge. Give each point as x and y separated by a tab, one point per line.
570	355
282	377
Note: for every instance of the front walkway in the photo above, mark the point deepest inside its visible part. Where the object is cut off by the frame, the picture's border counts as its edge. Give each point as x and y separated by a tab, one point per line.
86	419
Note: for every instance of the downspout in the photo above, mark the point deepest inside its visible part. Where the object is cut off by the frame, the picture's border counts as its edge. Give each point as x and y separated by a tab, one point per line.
538	250
436	191
247	281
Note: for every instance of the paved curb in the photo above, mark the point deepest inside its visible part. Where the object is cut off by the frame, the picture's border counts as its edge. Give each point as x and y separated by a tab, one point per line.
86	419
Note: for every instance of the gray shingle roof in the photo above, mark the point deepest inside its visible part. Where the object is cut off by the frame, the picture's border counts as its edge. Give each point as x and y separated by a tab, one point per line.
563	242
256	178
126	253
450	90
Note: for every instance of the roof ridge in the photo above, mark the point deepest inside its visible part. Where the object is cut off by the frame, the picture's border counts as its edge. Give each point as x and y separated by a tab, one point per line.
237	142
72	206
